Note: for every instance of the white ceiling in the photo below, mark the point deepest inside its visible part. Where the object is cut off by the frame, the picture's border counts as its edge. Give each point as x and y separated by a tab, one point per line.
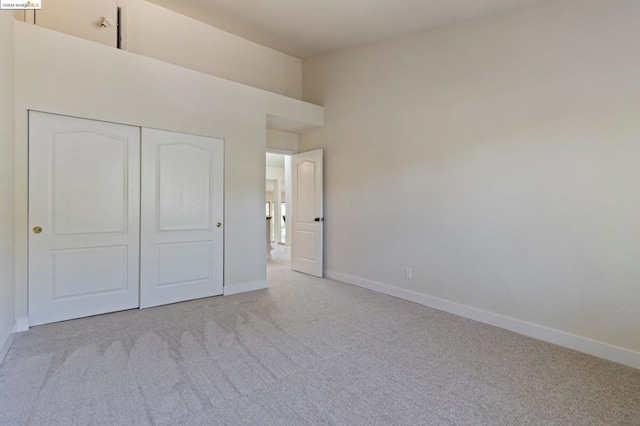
306	28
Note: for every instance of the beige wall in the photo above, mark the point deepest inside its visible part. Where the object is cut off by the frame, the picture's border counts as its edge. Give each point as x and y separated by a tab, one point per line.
160	33
7	138
282	141
80	18
276	173
90	80
499	158
270	195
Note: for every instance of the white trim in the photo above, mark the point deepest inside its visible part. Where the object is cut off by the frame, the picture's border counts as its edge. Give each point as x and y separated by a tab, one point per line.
7	344
244	287
22	324
558	337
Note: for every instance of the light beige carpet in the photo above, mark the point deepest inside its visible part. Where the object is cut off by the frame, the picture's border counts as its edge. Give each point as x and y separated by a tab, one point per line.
305	351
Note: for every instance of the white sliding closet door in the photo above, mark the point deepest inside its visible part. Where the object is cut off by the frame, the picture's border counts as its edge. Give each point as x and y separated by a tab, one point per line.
182	211
84	198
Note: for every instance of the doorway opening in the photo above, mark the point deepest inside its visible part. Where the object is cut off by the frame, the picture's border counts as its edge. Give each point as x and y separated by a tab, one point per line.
278	207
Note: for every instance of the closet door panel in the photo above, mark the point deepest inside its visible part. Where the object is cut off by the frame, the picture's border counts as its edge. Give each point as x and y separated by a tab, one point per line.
182	210
84	198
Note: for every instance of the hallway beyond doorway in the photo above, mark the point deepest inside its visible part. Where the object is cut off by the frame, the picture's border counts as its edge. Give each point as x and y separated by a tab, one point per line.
280	255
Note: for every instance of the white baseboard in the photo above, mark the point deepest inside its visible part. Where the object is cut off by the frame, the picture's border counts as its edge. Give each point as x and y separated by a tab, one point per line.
21	325
244	287
561	338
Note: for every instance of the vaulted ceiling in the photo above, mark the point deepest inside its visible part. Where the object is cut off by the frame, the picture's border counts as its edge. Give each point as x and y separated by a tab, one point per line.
305	28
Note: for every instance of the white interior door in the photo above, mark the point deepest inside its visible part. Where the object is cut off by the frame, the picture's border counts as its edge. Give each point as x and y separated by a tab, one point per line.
307	221
182	211
84	197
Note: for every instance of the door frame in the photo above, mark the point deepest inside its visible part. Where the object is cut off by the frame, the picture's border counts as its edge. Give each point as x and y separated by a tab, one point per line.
287	187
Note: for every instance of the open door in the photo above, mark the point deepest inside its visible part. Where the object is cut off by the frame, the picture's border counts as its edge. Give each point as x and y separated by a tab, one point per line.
307	221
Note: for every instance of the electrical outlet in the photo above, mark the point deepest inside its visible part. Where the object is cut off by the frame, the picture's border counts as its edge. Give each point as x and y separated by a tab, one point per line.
408	273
